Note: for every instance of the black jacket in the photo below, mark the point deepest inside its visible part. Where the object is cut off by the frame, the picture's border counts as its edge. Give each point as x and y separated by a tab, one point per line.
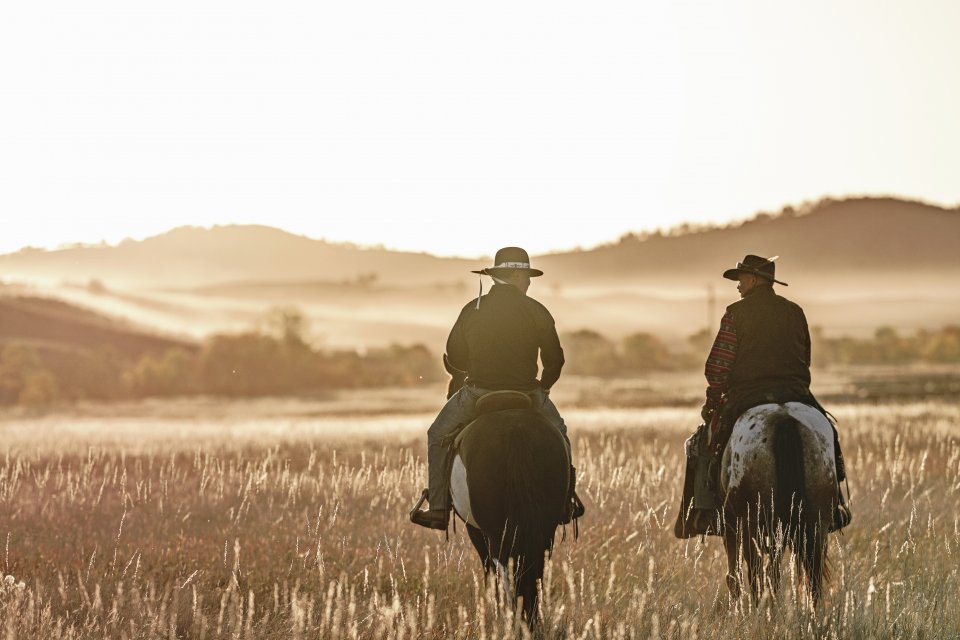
773	347
497	344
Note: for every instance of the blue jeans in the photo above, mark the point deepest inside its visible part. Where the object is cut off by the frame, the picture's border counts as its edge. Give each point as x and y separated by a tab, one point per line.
461	409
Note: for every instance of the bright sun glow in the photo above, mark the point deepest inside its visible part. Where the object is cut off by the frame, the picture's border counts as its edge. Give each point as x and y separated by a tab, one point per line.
457	128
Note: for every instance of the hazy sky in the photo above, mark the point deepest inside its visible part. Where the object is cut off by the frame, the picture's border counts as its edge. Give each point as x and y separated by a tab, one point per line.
456	127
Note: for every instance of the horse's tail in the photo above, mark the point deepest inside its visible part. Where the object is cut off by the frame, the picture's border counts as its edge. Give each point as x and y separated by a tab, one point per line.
793	509
534	493
526	507
788	499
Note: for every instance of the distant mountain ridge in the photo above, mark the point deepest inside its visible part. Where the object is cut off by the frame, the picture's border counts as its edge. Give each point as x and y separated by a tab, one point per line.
854	265
191	256
856	235
866	235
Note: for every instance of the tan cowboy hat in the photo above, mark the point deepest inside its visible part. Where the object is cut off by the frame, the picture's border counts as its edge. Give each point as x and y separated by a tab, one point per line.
510	259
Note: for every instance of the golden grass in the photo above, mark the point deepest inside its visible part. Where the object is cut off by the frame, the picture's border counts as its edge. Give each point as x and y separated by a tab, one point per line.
292	527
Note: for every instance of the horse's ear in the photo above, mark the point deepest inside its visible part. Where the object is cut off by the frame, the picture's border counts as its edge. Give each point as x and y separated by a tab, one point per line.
457	377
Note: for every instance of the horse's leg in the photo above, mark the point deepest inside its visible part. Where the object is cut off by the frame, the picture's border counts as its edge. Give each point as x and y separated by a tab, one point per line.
815	550
810	555
752	541
774	572
527	577
775	534
731	542
482	545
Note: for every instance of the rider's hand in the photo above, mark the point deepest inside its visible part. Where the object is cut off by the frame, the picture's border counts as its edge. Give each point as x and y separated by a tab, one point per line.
688	446
706	413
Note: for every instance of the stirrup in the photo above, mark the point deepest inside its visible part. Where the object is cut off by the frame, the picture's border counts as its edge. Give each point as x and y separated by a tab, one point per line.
841	517
573	509
431	519
424	496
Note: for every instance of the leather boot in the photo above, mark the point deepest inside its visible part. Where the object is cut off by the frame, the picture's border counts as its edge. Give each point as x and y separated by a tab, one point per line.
701	477
432	519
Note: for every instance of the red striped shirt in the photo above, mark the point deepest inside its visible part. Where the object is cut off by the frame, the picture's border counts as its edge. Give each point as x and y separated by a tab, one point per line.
720	361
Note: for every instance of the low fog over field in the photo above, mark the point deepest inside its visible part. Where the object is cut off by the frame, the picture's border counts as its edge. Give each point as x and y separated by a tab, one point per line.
853	265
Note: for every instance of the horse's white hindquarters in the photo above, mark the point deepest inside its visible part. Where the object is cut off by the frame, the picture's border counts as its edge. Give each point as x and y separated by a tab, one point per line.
750	450
460	492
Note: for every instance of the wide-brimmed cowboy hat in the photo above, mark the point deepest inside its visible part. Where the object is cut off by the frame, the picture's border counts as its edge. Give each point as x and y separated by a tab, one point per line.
756	265
510	259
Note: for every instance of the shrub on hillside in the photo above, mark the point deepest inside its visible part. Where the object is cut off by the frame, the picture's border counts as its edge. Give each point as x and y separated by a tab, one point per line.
588	353
253	364
399	365
888	347
645	352
171	373
39	390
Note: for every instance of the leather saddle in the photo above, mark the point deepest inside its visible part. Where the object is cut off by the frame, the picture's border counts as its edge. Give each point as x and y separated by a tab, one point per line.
491	402
502	400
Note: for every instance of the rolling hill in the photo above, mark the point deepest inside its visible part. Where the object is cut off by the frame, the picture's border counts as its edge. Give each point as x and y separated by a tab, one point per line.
53	324
865	235
854	264
851	237
191	257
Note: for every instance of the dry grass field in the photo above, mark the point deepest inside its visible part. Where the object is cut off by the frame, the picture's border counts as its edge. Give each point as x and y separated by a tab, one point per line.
225	524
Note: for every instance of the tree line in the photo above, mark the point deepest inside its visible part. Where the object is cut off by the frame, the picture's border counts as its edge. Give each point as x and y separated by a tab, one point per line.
590	353
274	359
277	360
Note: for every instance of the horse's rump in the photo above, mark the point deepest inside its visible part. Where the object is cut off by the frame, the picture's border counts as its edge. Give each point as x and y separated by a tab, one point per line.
510	477
804	439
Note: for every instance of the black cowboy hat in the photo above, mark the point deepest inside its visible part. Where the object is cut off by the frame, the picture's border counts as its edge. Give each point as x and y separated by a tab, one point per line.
510	259
755	265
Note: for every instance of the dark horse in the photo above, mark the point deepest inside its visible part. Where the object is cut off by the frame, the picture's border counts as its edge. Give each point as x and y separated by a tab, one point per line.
509	485
779	479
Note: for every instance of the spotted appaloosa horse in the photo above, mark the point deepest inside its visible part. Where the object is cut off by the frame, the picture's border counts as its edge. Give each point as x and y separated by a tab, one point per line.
509	484
779	479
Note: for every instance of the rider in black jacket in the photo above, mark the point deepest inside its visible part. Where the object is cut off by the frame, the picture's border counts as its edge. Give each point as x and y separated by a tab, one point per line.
496	340
761	355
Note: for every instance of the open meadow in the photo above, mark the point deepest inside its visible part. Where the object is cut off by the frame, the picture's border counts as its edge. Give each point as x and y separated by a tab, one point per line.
217	520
